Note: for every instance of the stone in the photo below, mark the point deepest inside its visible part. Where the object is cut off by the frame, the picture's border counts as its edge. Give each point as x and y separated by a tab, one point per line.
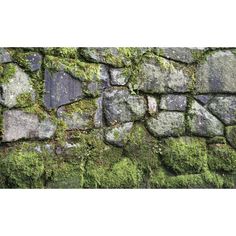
203	99
21	125
152	105
167	124
118	135
217	74
181	54
120	106
4	56
156	78
34	61
18	84
231	135
61	89
98	117
224	108
173	102
118	77
203	123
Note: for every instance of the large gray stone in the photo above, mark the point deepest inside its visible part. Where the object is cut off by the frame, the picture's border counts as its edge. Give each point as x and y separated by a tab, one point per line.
34	61
162	77
18	84
118	135
61	89
167	124
203	99
4	56
21	125
224	107
203	123
120	106
173	102
118	77
217	74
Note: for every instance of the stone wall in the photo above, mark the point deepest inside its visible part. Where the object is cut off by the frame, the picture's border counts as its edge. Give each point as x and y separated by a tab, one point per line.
118	117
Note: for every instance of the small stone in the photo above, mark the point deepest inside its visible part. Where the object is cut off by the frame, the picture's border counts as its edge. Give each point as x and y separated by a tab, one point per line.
46	129
98	117
217	74
118	77
61	89
4	56
118	135
203	123
224	107
34	61
231	135
173	102
167	124
204	99
18	84
152	105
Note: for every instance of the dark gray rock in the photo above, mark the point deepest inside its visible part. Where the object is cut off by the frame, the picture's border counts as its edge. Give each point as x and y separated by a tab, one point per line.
167	124
203	123
4	56
162	77
118	77
231	135
204	99
61	89
120	106
173	102
217	74
34	61
224	107
118	136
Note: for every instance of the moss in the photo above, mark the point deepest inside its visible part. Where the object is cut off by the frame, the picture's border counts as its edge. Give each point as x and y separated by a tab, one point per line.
80	70
60	134
231	135
68	52
8	70
24	100
221	157
22	59
185	155
217	140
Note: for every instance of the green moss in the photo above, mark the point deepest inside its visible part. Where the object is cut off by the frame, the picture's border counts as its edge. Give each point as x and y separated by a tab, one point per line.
60	134
231	135
221	157
8	70
80	70
185	155
68	52
217	140
24	100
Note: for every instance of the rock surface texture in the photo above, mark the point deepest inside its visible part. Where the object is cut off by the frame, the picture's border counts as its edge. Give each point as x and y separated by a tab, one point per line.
117	117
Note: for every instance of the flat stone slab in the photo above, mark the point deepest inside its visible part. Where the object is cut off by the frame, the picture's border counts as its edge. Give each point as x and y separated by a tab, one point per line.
203	123
224	107
118	77
167	124
203	99
217	74
173	102
34	61
61	89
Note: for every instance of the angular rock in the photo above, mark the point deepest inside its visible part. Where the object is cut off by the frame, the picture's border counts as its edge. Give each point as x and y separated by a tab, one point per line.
152	105
120	106
118	77
18	84
203	123
167	124
34	61
4	56
173	102
224	107
61	89
118	135
204	99
156	78
231	135
217	74
21	125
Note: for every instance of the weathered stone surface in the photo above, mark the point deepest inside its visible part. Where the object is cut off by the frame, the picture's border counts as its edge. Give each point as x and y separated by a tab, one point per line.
4	56
98	117
61	89
173	102
21	125
153	78
120	106
217	74
152	105
224	107
34	61
203	123
167	124
231	135
186	55
118	77
17	84
204	99
118	135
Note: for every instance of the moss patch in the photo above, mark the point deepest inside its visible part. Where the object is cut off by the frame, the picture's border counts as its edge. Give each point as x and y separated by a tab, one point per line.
7	71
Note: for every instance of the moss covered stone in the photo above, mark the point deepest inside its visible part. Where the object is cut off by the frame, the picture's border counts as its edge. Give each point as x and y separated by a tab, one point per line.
185	155
231	135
